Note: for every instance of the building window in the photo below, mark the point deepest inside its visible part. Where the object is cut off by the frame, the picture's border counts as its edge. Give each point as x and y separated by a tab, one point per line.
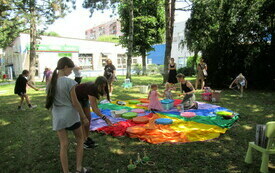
134	61
86	61
104	57
121	60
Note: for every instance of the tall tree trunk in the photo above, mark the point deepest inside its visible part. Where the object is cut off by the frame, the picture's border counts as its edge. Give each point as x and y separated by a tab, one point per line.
169	20
131	37
32	42
143	55
195	59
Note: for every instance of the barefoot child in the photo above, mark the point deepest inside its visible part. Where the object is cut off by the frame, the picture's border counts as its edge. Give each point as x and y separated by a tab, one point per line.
240	82
154	103
20	89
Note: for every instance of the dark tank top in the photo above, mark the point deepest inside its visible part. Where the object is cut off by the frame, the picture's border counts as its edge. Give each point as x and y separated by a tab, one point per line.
185	88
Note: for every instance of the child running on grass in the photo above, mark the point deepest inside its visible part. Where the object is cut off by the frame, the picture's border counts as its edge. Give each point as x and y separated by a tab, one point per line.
65	108
20	89
154	103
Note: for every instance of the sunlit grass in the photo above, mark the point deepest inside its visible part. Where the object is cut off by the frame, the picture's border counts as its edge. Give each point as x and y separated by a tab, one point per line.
28	144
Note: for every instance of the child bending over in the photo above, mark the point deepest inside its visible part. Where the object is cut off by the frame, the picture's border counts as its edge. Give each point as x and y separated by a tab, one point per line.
20	89
240	82
153	95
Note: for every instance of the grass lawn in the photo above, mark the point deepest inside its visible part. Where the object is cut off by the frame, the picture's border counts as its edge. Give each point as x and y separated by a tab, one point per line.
29	145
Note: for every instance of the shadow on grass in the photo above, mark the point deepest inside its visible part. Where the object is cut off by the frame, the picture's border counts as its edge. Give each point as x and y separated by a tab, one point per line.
28	143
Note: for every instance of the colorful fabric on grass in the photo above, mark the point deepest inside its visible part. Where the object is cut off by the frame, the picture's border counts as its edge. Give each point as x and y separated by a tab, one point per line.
205	126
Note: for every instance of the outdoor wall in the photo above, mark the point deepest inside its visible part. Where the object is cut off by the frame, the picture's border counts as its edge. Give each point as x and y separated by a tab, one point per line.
51	48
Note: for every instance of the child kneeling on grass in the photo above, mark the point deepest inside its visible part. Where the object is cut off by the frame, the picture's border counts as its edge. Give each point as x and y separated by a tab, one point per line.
20	89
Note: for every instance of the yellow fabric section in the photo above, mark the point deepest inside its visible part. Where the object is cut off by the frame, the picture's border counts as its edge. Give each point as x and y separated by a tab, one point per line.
195	131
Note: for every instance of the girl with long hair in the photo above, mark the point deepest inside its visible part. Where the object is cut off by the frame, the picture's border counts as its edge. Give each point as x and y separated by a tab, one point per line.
88	94
67	112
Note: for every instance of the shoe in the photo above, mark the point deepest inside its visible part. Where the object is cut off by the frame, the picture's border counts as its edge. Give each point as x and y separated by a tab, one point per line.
84	170
89	143
33	106
20	108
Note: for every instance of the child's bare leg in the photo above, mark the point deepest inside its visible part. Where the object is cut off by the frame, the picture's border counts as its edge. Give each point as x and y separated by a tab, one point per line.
86	129
21	100
79	148
27	99
241	91
63	139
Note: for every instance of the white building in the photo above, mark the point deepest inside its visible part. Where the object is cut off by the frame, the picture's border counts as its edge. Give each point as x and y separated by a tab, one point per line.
91	55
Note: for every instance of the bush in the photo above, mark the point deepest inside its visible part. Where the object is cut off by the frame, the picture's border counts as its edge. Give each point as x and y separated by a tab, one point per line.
187	71
137	68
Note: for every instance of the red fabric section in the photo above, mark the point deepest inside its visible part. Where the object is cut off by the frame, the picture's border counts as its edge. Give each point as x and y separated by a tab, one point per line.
119	129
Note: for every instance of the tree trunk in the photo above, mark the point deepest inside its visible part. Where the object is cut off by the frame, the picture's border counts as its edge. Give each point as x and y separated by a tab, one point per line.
195	59
32	44
143	55
169	20
130	44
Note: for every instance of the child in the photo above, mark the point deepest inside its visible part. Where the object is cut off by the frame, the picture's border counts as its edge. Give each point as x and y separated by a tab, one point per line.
154	103
67	112
188	92
92	91
240	81
20	89
168	91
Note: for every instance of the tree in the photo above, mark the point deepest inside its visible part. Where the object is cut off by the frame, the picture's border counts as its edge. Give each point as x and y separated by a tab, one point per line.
148	26
232	34
169	26
31	14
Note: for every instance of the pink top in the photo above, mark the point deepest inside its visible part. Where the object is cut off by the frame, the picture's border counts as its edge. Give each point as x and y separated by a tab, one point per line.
154	101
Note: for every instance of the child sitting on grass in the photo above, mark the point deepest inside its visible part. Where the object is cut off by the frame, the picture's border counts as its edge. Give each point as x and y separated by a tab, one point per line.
153	95
240	82
20	89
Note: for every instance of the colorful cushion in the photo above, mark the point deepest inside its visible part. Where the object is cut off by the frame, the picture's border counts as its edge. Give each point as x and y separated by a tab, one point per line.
135	130
134	101
138	110
129	115
141	120
188	114
163	121
224	113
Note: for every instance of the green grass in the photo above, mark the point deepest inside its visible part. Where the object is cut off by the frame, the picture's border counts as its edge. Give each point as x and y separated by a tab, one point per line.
28	144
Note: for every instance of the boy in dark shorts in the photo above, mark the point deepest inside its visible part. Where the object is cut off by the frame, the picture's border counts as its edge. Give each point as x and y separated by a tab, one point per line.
20	89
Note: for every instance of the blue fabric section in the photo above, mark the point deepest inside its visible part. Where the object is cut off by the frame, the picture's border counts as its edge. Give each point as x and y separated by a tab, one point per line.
208	112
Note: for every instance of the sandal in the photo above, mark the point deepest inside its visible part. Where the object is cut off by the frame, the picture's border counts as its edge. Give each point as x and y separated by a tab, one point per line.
84	170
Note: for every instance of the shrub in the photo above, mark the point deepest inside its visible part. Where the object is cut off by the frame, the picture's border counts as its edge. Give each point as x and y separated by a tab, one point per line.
187	71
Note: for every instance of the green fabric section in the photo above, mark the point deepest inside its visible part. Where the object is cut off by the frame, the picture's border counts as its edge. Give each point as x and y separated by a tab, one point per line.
216	120
113	107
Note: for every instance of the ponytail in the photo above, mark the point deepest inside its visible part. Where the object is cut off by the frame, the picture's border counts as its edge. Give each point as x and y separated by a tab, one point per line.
51	90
